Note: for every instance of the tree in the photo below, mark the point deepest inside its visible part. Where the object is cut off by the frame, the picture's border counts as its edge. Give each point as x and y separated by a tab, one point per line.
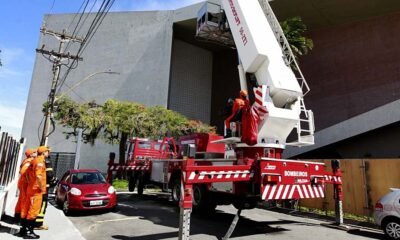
0	61
116	121
294	30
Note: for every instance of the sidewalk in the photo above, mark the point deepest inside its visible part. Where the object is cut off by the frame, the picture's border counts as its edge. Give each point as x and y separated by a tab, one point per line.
60	227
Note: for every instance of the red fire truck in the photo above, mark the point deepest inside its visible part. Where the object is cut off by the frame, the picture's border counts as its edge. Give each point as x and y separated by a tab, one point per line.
247	168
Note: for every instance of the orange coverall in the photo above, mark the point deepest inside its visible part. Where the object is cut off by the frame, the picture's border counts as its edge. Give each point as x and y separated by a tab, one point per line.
22	186
35	191
237	105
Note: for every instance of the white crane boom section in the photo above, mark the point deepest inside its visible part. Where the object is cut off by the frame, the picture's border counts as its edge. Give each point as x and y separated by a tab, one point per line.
279	91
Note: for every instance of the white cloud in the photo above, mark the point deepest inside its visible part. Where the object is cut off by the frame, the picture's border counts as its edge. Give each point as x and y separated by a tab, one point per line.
11	119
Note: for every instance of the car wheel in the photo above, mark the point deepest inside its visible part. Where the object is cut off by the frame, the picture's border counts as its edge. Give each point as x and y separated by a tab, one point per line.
115	208
392	228
65	207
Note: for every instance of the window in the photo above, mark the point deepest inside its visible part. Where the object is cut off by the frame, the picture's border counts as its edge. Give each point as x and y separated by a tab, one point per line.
130	151
64	177
144	145
87	178
157	146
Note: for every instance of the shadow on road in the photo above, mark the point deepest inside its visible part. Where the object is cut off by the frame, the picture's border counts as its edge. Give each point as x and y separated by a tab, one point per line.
368	234
148	237
159	210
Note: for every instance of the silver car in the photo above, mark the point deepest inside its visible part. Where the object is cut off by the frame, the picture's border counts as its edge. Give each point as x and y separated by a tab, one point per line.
387	213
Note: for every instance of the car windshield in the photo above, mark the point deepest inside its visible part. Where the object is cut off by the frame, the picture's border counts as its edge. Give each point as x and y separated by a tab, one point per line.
87	178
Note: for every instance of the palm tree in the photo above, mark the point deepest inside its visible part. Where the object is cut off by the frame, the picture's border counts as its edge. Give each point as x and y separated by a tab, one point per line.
294	28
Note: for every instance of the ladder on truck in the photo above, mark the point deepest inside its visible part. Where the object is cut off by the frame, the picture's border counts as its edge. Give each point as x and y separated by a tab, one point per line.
212	26
305	127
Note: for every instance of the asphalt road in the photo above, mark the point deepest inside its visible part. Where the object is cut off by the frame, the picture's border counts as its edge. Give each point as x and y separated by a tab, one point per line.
153	217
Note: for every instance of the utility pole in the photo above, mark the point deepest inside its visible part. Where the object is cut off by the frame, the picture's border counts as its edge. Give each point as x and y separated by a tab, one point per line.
57	57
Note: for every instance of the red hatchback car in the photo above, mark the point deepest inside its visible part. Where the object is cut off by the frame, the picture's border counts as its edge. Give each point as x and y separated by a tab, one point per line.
85	189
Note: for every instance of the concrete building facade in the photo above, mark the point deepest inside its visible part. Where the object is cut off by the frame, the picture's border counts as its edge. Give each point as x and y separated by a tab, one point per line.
352	72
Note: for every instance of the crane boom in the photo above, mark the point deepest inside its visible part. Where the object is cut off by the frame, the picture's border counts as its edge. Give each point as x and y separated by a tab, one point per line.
278	89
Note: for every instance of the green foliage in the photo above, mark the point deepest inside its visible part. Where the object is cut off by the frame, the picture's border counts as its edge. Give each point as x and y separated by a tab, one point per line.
122	117
115	120
294	30
120	184
72	115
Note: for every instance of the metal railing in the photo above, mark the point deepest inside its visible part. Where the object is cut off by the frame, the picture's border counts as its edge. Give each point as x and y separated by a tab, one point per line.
286	50
9	158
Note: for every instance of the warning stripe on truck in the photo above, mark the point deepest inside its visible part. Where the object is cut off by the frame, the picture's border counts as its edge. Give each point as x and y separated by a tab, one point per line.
297	191
115	168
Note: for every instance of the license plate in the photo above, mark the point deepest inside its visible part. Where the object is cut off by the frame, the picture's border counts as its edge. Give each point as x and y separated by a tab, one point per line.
96	202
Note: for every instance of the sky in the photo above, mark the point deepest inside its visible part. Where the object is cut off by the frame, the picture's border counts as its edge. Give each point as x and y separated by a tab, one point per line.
20	21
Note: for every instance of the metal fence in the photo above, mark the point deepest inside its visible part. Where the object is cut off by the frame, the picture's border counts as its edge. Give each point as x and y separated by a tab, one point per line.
62	162
9	154
365	181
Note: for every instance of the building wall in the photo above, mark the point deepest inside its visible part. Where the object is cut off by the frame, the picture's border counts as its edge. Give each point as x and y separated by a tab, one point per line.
225	85
135	44
352	69
379	143
191	81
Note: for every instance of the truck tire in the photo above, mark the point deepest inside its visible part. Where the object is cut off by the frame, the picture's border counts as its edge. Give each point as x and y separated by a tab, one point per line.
176	190
202	202
132	182
140	184
248	203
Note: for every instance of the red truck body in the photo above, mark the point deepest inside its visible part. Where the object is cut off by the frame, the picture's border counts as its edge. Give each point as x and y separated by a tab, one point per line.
200	161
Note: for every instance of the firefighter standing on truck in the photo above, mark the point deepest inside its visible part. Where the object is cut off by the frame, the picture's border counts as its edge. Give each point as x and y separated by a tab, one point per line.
51	182
238	104
36	189
19	214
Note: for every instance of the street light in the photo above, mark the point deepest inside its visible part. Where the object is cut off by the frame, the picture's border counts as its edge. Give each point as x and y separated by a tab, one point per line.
46	128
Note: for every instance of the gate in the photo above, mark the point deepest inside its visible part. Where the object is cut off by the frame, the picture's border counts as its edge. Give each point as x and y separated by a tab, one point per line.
62	162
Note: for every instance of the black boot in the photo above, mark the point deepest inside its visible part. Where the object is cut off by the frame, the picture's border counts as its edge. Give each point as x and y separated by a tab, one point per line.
23	230
31	234
17	217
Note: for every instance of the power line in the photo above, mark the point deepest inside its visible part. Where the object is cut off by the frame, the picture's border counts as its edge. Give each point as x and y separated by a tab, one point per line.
96	22
79	20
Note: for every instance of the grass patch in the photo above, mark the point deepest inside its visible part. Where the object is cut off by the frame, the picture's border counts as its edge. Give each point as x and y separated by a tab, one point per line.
120	184
359	218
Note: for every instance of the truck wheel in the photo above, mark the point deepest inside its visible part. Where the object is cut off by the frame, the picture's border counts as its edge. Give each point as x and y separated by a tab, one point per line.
201	200
249	203
176	190
132	182
140	186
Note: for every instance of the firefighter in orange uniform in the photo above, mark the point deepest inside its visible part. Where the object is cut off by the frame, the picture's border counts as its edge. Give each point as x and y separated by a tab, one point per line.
36	189
238	104
23	182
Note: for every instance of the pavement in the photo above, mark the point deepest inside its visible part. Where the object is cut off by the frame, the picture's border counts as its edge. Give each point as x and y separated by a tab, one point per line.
154	217
60	227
